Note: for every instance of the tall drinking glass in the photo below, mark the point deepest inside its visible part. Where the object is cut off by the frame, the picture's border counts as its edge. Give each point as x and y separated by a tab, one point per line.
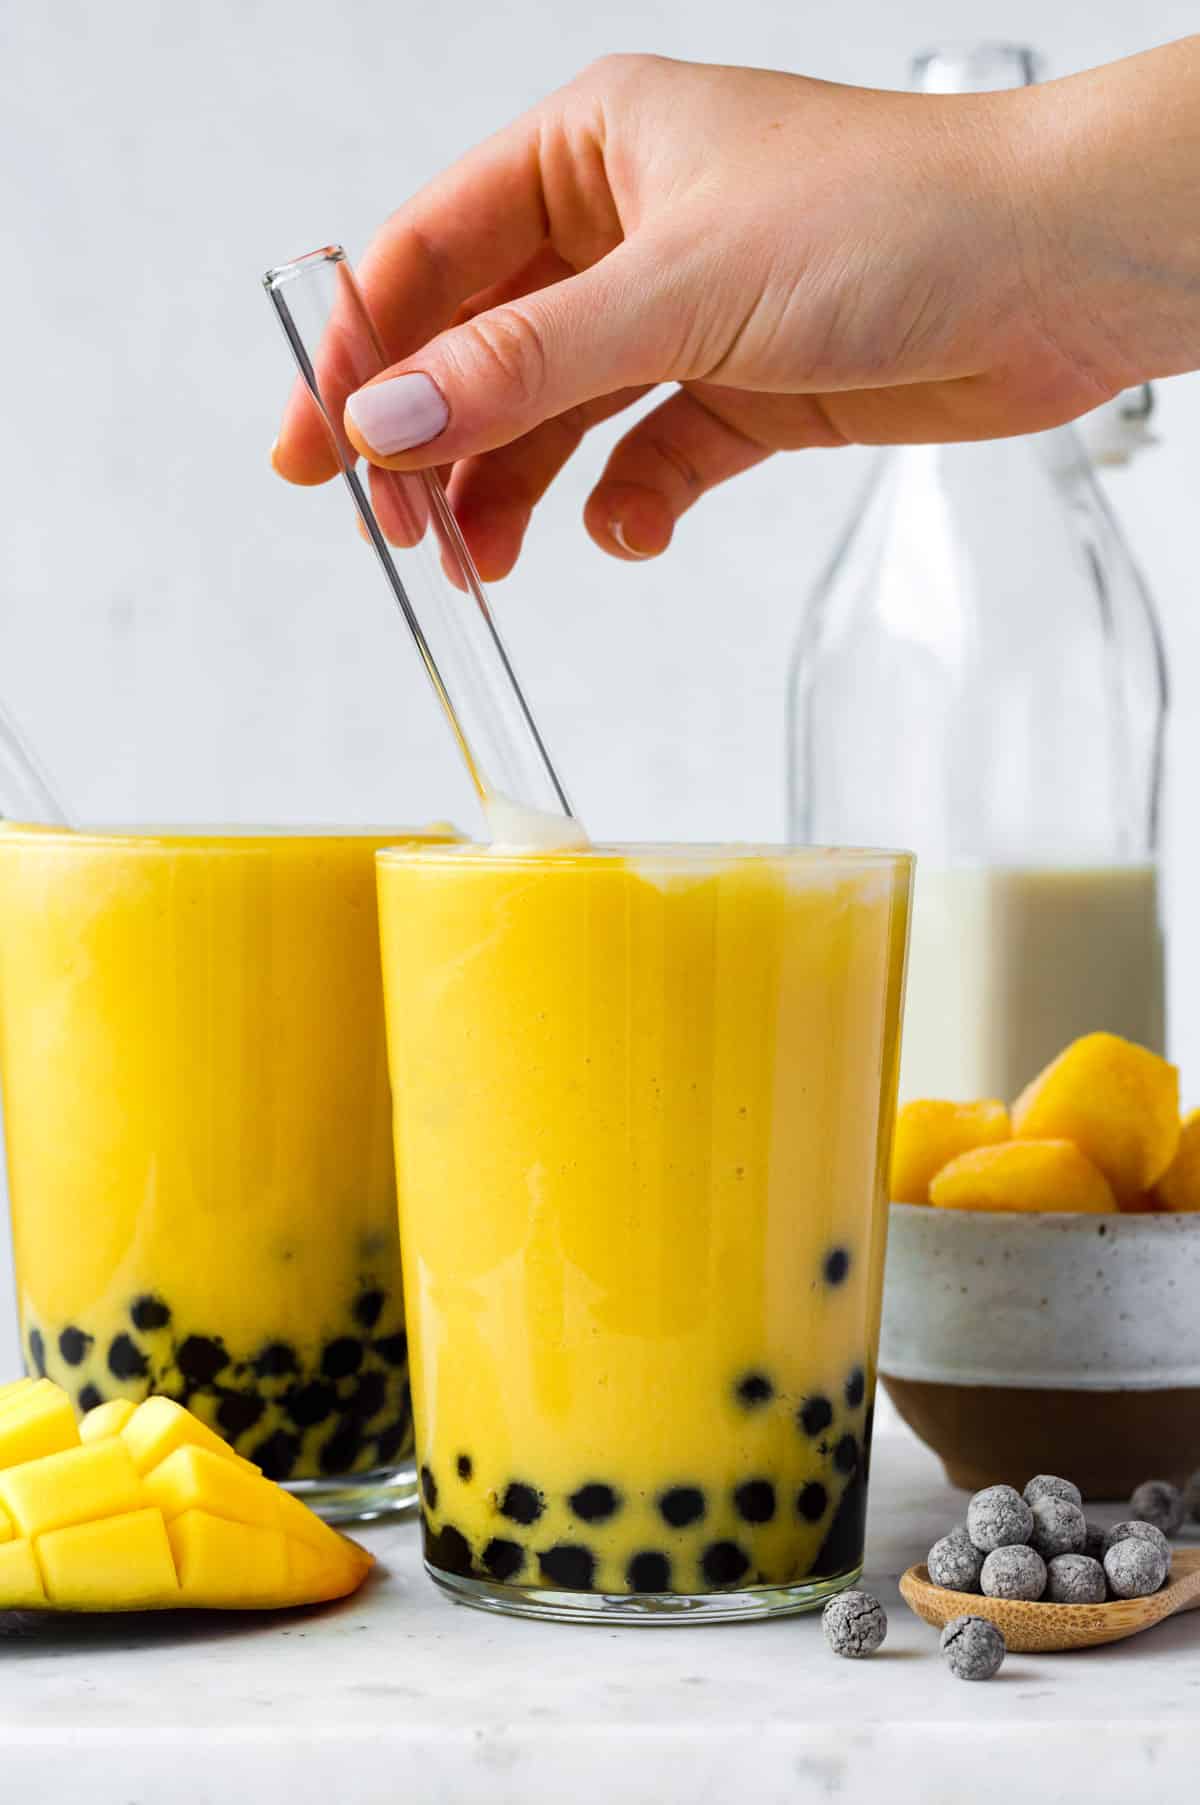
199	1142
643	1101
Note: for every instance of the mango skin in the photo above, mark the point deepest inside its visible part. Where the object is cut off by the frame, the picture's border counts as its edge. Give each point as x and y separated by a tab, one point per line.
1118	1103
931	1132
1023	1176
1179	1187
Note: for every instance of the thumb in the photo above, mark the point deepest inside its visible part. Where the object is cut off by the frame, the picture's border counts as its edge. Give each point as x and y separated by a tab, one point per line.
497	376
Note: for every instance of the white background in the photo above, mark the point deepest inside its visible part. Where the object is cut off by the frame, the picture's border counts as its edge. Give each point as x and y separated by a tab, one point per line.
183	637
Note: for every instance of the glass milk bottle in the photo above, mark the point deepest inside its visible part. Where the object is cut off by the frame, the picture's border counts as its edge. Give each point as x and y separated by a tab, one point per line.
980	678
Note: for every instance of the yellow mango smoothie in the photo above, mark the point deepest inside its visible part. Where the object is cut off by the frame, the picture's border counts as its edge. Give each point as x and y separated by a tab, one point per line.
198	1133
643	1102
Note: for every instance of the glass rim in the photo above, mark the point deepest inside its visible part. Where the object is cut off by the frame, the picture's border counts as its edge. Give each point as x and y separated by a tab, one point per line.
678	853
233	838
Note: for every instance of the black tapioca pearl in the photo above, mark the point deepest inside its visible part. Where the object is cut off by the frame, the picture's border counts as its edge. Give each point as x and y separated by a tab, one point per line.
201	1357
649	1572
126	1359
753	1390
755	1500
276	1361
239	1411
90	1397
149	1313
595	1502
845	1455
393	1441
812	1501
681	1505
340	1453
277	1455
448	1549
856	1388
429	1490
503	1559
368	1308
463	1466
393	1349
37	1352
342	1357
868	1432
73	1345
836	1266
569	1565
368	1397
310	1404
815	1414
521	1503
842	1549
724	1563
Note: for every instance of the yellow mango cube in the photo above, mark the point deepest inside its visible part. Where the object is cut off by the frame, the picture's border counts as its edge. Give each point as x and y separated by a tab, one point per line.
233	1566
76	1486
40	1421
81	1529
197	1479
106	1420
930	1133
119	1564
1116	1101
1022	1175
159	1426
1179	1186
21	1587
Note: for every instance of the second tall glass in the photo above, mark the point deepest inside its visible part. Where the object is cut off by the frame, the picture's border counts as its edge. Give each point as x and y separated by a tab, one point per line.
643	1098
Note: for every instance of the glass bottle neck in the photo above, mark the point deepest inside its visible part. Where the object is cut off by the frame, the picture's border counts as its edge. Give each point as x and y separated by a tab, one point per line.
975	68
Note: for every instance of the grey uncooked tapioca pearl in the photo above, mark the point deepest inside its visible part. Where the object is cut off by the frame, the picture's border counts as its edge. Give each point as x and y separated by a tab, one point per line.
955	1563
1059	1527
1075	1579
1013	1572
973	1648
1045	1485
1158	1502
1135	1568
855	1624
1138	1532
998	1517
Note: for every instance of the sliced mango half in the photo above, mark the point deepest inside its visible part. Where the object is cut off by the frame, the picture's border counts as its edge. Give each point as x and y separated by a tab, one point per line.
144	1508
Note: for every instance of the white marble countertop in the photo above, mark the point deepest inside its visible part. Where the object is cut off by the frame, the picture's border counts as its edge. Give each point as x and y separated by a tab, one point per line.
399	1695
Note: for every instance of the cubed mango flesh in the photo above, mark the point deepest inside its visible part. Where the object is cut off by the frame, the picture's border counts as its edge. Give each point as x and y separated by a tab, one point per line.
1022	1175
159	1426
931	1132
38	1421
83	1529
1118	1103
119	1564
232	1565
106	1420
77	1486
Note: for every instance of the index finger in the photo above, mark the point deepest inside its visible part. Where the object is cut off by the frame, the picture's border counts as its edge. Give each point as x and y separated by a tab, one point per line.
474	225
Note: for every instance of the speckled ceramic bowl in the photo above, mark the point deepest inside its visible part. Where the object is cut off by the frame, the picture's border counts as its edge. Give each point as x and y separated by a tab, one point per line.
1021	1344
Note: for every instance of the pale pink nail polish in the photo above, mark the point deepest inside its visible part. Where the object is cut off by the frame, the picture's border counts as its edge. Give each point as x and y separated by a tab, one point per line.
617	529
399	413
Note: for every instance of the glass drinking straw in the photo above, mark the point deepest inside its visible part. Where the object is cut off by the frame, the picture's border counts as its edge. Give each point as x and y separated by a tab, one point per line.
25	792
422	554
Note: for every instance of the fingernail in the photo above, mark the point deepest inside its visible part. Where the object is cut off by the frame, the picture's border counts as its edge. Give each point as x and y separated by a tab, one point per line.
617	529
401	412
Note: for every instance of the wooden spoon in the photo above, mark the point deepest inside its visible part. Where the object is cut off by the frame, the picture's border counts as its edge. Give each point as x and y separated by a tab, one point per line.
1047	1628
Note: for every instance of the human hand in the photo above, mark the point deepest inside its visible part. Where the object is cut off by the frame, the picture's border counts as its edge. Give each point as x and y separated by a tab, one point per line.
812	264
